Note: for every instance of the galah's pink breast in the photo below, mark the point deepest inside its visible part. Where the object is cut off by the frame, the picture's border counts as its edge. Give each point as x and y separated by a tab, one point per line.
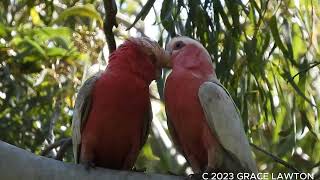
186	115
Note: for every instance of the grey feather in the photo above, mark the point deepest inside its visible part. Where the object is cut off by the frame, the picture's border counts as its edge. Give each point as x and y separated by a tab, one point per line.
81	112
146	127
225	122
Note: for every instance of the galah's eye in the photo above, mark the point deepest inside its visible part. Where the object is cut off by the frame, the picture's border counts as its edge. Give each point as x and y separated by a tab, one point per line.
178	45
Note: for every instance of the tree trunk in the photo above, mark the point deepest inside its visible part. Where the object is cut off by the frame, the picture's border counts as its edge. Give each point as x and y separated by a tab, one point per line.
16	164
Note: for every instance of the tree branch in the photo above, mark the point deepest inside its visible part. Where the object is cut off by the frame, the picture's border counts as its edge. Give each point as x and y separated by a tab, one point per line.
53	146
127	24
17	164
63	149
50	137
110	8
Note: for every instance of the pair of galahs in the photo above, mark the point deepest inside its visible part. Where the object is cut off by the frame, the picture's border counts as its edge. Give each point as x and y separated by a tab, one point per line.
113	113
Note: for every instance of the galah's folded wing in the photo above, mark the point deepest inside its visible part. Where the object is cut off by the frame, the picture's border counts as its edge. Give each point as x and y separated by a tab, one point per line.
146	127
225	122
81	112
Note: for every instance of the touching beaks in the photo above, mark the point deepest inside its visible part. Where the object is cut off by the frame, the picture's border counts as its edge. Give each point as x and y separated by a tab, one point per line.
164	62
158	73
167	59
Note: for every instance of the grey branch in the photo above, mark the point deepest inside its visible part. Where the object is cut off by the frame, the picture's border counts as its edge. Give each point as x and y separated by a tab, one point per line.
51	138
18	164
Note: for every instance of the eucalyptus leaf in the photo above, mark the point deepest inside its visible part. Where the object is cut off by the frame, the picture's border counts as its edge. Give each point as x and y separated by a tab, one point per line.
86	10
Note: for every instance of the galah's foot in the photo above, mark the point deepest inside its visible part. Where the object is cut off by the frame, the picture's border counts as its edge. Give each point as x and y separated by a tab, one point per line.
206	174
197	176
142	170
89	165
172	173
210	170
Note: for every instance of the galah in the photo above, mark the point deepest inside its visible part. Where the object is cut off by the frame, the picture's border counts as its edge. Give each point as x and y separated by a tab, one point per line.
203	119
112	111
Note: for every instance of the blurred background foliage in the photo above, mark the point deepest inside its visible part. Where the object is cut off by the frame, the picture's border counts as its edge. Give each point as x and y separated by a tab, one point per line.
266	53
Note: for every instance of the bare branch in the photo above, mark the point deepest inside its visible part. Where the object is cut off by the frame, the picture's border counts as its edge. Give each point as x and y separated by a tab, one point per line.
110	21
50	137
17	164
128	24
63	149
54	145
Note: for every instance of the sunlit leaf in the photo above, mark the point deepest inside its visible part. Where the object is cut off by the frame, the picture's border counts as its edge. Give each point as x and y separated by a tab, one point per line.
34	45
35	17
87	10
56	52
147	151
276	35
166	16
143	13
3	31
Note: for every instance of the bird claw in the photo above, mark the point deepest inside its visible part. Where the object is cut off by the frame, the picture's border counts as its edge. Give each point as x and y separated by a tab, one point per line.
197	176
139	170
172	173
89	165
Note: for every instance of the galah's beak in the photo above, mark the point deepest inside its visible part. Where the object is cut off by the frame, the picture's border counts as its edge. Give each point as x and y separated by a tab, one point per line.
164	62
158	73
167	59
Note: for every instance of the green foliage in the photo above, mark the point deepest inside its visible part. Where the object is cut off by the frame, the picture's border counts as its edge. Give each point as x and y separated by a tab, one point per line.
257	48
87	10
143	13
41	65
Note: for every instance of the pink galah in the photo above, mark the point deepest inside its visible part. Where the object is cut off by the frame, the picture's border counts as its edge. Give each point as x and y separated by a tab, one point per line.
203	120
112	112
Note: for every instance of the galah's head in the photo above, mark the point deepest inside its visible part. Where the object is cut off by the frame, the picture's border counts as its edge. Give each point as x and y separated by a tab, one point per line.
188	53
158	56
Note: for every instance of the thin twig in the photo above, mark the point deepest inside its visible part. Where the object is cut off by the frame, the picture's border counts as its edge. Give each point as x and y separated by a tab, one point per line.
63	149
275	158
128	24
52	146
262	17
304	70
51	137
53	121
110	21
316	165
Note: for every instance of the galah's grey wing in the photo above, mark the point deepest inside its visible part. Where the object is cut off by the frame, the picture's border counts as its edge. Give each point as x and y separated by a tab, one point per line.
146	127
225	122
81	112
